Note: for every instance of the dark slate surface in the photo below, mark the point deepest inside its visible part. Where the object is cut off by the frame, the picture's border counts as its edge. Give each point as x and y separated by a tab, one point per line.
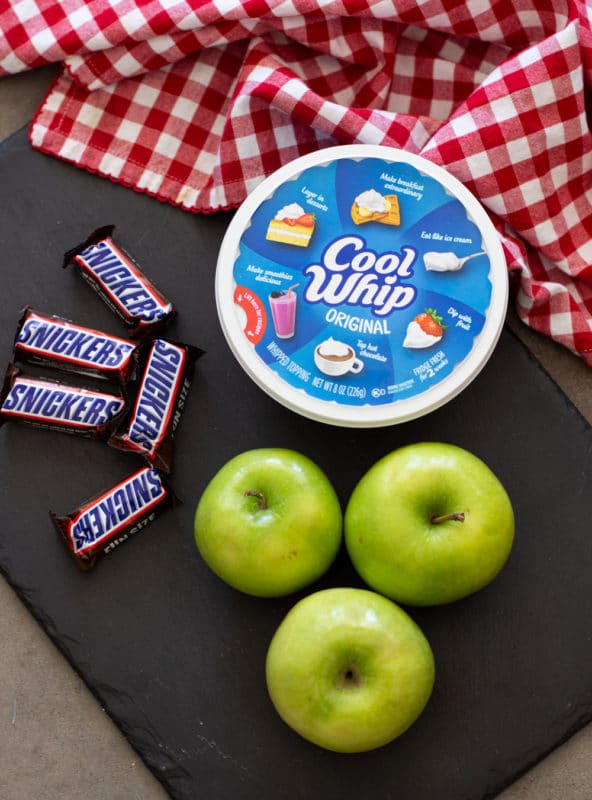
176	657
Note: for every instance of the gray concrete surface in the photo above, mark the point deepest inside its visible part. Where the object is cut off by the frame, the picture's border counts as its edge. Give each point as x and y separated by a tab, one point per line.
56	742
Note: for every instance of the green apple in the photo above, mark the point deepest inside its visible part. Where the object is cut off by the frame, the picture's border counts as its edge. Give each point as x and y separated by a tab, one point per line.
269	522
428	524
349	670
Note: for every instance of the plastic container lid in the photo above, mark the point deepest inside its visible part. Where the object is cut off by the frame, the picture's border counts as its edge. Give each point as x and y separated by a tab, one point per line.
361	286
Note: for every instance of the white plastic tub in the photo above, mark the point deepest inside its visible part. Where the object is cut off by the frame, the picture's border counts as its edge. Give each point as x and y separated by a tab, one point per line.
361	286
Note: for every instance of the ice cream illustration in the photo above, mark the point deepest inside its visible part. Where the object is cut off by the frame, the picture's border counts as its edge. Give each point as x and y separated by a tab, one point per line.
424	330
446	262
291	225
371	206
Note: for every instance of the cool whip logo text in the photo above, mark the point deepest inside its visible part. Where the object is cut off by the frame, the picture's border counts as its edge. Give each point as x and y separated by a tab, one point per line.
353	274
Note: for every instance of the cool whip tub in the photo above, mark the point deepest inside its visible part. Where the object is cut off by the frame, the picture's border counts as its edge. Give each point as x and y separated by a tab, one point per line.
361	286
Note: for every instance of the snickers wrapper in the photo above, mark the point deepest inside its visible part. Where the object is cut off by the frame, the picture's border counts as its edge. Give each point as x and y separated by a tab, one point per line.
163	386
56	343
56	406
121	283
101	524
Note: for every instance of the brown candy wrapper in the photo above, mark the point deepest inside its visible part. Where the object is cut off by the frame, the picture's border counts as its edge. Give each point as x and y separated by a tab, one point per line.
98	526
57	343
121	283
162	390
56	406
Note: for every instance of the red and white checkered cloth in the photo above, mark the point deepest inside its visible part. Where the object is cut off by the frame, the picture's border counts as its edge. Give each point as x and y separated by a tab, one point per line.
195	102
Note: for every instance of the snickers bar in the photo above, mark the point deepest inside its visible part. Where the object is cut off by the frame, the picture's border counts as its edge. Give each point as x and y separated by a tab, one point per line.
50	341
100	525
120	283
56	406
163	389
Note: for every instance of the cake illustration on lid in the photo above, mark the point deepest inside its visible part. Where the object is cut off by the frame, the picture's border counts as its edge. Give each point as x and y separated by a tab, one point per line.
371	206
291	225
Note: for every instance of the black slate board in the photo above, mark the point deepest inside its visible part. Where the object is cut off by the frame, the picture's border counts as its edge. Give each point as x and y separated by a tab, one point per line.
175	656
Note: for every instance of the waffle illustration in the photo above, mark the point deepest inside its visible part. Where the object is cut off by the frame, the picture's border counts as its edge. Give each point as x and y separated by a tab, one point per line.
391	214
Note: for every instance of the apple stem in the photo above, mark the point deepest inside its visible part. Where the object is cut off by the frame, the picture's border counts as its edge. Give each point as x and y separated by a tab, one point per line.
260	499
351	678
457	516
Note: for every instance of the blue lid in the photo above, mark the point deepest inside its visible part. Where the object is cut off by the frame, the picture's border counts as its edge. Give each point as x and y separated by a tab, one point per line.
361	286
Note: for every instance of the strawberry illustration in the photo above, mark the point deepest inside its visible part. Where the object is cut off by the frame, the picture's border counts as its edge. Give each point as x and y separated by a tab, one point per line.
307	220
431	322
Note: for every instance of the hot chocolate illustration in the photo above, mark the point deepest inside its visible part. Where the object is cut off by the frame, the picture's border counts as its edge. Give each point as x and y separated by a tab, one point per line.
446	262
424	330
371	206
291	225
336	358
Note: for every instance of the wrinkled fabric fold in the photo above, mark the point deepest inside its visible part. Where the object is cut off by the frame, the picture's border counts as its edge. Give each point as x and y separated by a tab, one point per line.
195	103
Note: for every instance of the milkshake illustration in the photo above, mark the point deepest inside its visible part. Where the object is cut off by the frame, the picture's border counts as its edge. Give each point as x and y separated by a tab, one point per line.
283	312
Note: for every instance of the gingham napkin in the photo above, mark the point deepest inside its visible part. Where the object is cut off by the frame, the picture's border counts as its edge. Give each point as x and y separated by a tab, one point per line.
195	102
